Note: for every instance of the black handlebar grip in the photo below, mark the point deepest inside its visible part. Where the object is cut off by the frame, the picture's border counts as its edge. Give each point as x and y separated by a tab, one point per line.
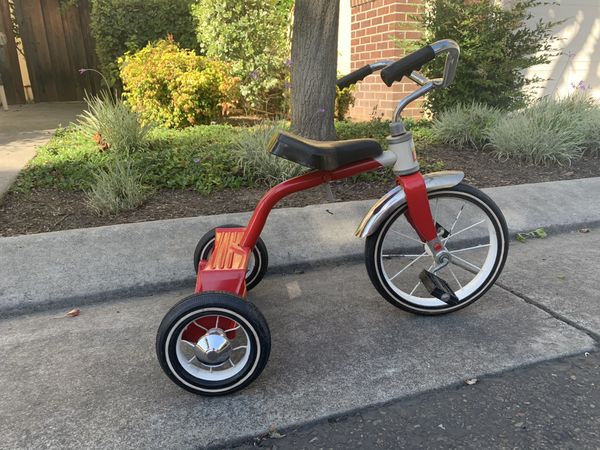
405	66
354	77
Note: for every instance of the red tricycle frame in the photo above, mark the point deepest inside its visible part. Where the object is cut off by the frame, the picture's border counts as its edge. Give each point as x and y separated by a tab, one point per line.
225	270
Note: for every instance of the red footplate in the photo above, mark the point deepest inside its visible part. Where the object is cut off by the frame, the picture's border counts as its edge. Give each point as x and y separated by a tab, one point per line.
226	267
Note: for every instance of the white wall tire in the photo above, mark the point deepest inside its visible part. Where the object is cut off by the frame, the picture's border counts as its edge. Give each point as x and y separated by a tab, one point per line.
230	375
487	220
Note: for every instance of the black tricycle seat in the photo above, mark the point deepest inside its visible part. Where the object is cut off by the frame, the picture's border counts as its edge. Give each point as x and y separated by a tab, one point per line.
323	155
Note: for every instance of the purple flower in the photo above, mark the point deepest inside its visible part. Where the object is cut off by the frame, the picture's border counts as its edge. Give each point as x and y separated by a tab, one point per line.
196	160
288	62
254	75
581	86
321	110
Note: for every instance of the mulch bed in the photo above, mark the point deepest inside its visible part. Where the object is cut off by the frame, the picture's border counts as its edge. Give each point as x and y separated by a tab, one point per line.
45	210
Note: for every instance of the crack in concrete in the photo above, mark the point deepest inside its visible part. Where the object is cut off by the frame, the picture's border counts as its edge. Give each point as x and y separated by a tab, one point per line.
554	314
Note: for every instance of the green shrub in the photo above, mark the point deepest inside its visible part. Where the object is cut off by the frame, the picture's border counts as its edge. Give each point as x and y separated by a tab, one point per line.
552	130
257	164
200	158
119	26
108	121
117	188
380	129
254	36
465	125
176	87
375	129
344	99
496	43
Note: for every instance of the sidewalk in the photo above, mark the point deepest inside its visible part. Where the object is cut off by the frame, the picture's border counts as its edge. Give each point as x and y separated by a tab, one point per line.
24	128
77	267
337	348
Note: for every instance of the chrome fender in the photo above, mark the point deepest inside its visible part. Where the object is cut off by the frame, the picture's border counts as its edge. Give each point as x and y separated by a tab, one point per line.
396	198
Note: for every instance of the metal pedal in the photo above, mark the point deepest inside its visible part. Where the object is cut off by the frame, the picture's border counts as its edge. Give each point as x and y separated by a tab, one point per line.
438	287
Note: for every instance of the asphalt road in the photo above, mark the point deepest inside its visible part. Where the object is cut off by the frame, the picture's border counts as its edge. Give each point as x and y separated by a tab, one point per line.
550	405
93	381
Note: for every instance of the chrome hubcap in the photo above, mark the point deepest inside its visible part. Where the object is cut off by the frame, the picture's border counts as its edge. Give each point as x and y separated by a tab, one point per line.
213	348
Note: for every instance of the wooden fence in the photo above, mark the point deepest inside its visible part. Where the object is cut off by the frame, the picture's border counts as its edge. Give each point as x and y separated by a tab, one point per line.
57	43
9	61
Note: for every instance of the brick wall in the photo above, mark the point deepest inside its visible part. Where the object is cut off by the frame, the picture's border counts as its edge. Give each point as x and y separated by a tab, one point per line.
376	24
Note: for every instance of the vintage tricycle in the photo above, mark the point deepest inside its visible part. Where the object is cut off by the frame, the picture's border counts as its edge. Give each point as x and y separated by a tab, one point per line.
433	244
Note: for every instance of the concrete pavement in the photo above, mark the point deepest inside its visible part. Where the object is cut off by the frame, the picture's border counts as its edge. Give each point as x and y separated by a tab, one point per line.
24	128
76	267
93	381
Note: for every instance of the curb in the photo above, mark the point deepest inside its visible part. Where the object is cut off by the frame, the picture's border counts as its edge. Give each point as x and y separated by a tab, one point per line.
84	266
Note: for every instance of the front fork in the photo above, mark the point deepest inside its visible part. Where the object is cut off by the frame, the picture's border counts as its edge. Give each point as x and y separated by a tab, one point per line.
419	216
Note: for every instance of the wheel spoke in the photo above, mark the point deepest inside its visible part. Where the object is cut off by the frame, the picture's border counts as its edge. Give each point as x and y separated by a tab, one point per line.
396	255
191	359
463	230
436	211
233	329
192	345
415	288
239	347
408	265
200	326
455	277
231	362
458	216
217	322
469	248
463	263
406	236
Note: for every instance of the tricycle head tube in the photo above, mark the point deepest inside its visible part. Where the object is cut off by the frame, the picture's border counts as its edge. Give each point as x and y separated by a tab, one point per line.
401	143
403	146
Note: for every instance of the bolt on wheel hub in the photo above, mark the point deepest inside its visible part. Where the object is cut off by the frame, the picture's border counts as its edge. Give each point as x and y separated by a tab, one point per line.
213	348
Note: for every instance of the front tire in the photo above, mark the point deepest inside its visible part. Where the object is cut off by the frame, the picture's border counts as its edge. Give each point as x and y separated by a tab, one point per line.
472	228
213	343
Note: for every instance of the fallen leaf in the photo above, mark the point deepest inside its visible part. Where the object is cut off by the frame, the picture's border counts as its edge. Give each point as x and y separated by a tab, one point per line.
74	312
471	381
274	434
441	426
584	230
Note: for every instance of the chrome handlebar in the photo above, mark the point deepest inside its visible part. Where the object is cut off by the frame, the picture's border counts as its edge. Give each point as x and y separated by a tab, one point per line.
448	46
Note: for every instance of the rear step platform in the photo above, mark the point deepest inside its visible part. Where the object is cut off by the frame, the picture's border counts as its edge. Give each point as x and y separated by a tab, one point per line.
438	287
225	269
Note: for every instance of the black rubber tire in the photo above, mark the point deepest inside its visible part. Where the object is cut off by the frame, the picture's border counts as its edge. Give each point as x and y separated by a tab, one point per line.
373	262
261	257
197	305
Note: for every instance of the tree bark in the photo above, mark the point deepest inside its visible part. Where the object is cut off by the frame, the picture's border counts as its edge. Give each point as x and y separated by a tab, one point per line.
314	67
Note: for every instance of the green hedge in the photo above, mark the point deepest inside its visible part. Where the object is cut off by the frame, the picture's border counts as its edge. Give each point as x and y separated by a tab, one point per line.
253	35
128	25
497	44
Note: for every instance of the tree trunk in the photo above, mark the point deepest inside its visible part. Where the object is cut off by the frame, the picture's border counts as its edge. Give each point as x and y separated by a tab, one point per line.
314	67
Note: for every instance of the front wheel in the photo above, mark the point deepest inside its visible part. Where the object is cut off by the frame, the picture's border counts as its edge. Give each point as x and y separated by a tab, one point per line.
473	230
213	343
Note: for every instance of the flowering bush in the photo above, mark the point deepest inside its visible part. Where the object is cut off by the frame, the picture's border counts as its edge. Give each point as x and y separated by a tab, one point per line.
119	26
175	87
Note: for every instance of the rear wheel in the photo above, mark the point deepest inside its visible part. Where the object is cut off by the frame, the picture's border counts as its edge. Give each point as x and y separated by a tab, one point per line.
259	259
473	230
213	343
